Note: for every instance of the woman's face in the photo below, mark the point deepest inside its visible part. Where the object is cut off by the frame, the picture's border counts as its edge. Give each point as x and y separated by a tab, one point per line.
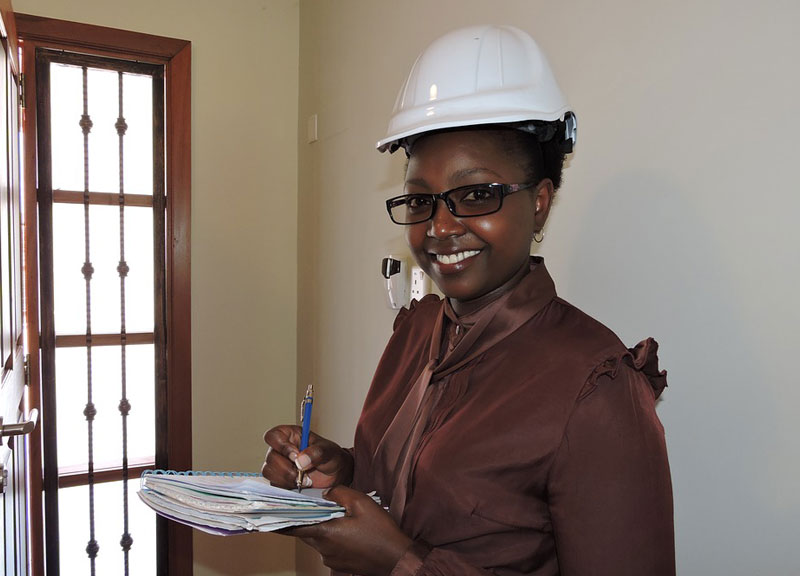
471	257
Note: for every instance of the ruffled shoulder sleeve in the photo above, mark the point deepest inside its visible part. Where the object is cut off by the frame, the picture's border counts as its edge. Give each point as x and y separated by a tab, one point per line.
609	483
643	358
429	302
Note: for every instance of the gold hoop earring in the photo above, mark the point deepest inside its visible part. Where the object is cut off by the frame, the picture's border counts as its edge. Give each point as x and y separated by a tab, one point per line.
538	239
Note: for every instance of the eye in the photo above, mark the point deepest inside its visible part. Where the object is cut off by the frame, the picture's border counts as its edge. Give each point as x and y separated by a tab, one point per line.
478	195
417	202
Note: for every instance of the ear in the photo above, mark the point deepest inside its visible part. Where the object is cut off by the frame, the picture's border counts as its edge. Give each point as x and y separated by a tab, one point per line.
543	198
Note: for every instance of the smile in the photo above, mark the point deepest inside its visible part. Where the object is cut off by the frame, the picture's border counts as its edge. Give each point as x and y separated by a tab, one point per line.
455	258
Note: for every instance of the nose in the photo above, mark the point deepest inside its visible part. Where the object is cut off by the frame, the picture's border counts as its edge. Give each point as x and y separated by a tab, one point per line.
444	224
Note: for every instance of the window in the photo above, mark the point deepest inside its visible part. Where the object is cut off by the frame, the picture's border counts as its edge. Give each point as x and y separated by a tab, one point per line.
112	196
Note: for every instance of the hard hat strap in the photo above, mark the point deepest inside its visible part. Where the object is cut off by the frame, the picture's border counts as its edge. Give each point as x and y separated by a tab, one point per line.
564	130
544	131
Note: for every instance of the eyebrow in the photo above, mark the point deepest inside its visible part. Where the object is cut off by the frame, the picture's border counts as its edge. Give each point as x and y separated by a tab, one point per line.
456	176
459	174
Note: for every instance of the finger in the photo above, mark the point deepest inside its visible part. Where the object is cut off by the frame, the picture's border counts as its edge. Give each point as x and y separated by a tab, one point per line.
318	453
275	458
328	458
284	440
344	496
316	456
279	476
279	470
355	503
304	532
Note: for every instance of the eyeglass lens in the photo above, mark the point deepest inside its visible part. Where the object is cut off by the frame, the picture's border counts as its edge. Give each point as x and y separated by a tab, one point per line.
466	201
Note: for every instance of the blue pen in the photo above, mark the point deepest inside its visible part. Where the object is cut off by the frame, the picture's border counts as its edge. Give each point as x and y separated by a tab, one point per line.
305	421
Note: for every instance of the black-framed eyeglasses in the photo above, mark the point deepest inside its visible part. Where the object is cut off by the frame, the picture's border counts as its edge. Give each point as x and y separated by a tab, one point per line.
464	202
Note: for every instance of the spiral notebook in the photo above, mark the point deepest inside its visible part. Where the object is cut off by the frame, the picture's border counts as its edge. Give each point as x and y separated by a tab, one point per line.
228	503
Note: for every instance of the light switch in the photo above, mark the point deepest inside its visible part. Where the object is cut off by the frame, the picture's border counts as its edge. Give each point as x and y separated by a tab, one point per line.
312	129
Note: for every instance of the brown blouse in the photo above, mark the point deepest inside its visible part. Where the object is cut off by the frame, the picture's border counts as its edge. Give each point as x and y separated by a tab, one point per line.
521	440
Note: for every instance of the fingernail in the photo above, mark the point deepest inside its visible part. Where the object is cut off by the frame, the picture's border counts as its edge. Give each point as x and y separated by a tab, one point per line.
302	461
307	482
293	456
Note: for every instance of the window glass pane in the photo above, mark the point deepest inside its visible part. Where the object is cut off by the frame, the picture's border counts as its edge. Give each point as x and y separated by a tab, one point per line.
139	306
73	512
103	106
68	258
138	149
103	109
68	254
104	245
71	396
66	135
2	530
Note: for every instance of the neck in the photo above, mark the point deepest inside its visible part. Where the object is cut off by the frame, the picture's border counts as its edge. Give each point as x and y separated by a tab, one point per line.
465	307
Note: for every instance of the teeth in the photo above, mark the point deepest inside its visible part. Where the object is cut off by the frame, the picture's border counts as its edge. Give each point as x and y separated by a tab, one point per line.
455	258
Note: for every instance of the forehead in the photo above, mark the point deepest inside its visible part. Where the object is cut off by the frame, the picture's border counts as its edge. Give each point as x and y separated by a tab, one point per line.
460	157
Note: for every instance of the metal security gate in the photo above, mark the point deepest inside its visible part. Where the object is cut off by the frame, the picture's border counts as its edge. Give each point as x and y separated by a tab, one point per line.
101	200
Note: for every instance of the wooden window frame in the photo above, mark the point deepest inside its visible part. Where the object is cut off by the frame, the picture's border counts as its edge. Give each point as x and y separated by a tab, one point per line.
173	444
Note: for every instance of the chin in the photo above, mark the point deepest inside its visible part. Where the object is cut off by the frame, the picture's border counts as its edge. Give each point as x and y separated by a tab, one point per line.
460	293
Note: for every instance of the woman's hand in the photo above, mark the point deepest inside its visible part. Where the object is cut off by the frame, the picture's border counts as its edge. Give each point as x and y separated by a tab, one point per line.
326	464
366	541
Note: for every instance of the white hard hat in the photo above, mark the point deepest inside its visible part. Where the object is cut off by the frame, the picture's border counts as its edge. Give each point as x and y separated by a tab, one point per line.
480	75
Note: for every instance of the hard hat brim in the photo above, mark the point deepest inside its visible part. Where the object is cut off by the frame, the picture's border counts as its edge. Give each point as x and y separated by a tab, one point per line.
395	141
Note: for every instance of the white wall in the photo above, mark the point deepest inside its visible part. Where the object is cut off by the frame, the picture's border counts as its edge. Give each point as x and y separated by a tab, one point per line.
244	230
678	219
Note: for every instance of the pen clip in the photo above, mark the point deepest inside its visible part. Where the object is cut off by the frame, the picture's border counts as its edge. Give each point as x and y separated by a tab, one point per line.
309	397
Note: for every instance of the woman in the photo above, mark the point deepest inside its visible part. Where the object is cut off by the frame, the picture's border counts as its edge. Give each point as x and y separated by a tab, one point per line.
506	431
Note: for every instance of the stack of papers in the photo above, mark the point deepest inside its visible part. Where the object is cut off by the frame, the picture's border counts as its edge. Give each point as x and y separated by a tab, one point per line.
232	503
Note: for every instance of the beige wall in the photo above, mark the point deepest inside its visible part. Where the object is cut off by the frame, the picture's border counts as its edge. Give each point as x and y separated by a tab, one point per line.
678	219
244	230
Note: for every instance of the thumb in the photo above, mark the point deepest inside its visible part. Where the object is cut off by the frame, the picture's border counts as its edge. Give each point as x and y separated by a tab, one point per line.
342	495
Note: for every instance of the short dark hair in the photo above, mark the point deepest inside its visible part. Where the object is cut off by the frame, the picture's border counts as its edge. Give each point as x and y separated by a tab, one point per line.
539	159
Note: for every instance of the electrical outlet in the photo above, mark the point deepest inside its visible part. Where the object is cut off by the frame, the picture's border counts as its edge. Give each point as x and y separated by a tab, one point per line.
420	283
396	275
